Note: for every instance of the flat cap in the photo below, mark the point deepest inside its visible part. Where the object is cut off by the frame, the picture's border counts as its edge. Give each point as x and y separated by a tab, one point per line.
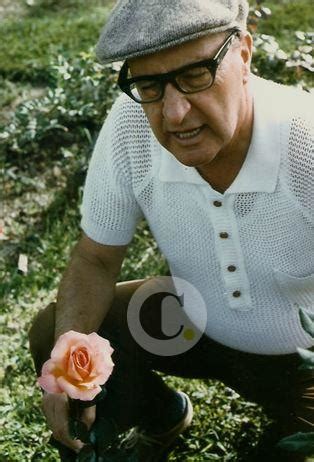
141	27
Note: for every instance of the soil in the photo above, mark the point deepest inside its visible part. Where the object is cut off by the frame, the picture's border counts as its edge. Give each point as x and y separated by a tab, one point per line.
11	8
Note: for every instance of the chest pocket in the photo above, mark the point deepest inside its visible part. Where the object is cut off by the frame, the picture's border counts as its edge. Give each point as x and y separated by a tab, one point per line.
298	291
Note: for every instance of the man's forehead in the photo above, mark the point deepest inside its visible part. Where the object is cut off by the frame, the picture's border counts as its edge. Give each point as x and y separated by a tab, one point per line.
175	57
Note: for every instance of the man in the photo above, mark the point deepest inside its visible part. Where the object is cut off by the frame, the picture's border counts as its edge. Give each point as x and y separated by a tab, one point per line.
219	163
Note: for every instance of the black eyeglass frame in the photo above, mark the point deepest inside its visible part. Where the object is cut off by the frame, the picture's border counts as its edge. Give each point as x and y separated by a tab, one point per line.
170	77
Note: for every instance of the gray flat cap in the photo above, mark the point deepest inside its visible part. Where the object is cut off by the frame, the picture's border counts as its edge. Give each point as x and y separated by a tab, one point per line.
140	27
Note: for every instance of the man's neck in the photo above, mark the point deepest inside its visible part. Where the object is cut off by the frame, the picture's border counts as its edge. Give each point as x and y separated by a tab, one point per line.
223	170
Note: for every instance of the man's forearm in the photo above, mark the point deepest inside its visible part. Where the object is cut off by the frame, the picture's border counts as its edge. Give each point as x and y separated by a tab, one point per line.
85	296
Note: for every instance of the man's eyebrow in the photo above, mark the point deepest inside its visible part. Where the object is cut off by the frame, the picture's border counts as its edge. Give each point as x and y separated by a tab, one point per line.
178	69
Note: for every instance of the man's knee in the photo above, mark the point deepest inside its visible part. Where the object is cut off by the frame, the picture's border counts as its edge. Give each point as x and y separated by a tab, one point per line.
41	336
153	292
42	331
117	314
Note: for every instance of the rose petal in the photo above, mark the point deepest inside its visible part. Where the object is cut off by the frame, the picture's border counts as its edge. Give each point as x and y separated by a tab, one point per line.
99	379
71	369
82	361
49	383
51	367
104	376
74	370
86	394
105	370
101	374
66	341
101	357
101	362
99	343
82	358
48	367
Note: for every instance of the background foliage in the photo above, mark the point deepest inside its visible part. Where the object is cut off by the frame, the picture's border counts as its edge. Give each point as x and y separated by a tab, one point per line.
53	99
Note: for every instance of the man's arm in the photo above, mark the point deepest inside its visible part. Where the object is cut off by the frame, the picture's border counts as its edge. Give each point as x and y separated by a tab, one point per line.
87	287
85	295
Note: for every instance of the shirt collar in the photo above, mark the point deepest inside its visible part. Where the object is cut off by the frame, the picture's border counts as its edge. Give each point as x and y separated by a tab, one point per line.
259	172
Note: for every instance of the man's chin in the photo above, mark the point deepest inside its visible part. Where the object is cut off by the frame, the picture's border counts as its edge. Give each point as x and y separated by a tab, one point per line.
194	158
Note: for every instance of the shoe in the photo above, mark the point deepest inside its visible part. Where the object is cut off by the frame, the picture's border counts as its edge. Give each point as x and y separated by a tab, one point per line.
144	446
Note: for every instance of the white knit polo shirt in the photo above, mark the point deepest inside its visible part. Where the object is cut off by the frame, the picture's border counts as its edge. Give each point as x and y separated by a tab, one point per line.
250	250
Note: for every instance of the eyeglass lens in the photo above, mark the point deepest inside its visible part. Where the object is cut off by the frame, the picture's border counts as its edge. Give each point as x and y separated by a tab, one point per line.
189	81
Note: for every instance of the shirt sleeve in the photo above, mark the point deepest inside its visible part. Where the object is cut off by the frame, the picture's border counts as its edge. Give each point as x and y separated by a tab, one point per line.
301	158
110	212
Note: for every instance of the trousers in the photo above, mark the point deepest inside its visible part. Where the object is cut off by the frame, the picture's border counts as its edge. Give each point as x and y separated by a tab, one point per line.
137	395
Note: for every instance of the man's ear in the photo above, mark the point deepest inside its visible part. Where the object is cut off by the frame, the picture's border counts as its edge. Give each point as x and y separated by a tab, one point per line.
246	54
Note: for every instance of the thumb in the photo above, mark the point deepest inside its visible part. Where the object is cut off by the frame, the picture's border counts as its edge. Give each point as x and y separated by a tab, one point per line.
88	416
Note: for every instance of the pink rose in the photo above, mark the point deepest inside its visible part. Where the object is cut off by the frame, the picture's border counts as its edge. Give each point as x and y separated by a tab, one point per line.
79	364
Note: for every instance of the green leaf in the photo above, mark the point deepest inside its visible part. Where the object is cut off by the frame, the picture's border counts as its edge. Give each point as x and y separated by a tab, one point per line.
307	321
299	442
306	367
307	358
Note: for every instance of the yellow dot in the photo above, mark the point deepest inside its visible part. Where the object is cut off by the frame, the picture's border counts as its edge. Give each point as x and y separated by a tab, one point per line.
189	334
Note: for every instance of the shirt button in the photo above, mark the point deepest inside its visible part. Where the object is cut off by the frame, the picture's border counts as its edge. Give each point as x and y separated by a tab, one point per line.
224	235
217	203
232	268
236	294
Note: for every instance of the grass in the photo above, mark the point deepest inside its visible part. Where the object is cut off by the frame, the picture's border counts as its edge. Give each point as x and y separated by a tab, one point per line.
288	16
30	42
41	207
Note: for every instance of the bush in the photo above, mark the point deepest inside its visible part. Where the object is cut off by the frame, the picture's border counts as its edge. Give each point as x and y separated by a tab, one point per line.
81	92
271	62
286	16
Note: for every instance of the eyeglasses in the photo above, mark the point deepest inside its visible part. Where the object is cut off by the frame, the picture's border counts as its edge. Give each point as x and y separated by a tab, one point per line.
191	78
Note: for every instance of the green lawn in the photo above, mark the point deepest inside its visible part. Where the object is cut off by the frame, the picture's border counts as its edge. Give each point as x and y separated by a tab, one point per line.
40	200
287	17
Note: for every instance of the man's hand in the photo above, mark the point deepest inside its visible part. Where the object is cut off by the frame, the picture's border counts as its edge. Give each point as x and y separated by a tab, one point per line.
56	410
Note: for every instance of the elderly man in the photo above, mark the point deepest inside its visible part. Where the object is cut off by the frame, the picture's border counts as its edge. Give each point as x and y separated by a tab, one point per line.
219	163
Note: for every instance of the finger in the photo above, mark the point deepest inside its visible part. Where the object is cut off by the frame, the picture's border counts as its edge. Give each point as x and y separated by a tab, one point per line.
88	416
61	436
56	410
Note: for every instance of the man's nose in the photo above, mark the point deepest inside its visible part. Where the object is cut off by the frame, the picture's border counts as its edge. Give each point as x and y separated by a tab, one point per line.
175	105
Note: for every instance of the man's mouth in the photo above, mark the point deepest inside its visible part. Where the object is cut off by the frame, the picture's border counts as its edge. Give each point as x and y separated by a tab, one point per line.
188	134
